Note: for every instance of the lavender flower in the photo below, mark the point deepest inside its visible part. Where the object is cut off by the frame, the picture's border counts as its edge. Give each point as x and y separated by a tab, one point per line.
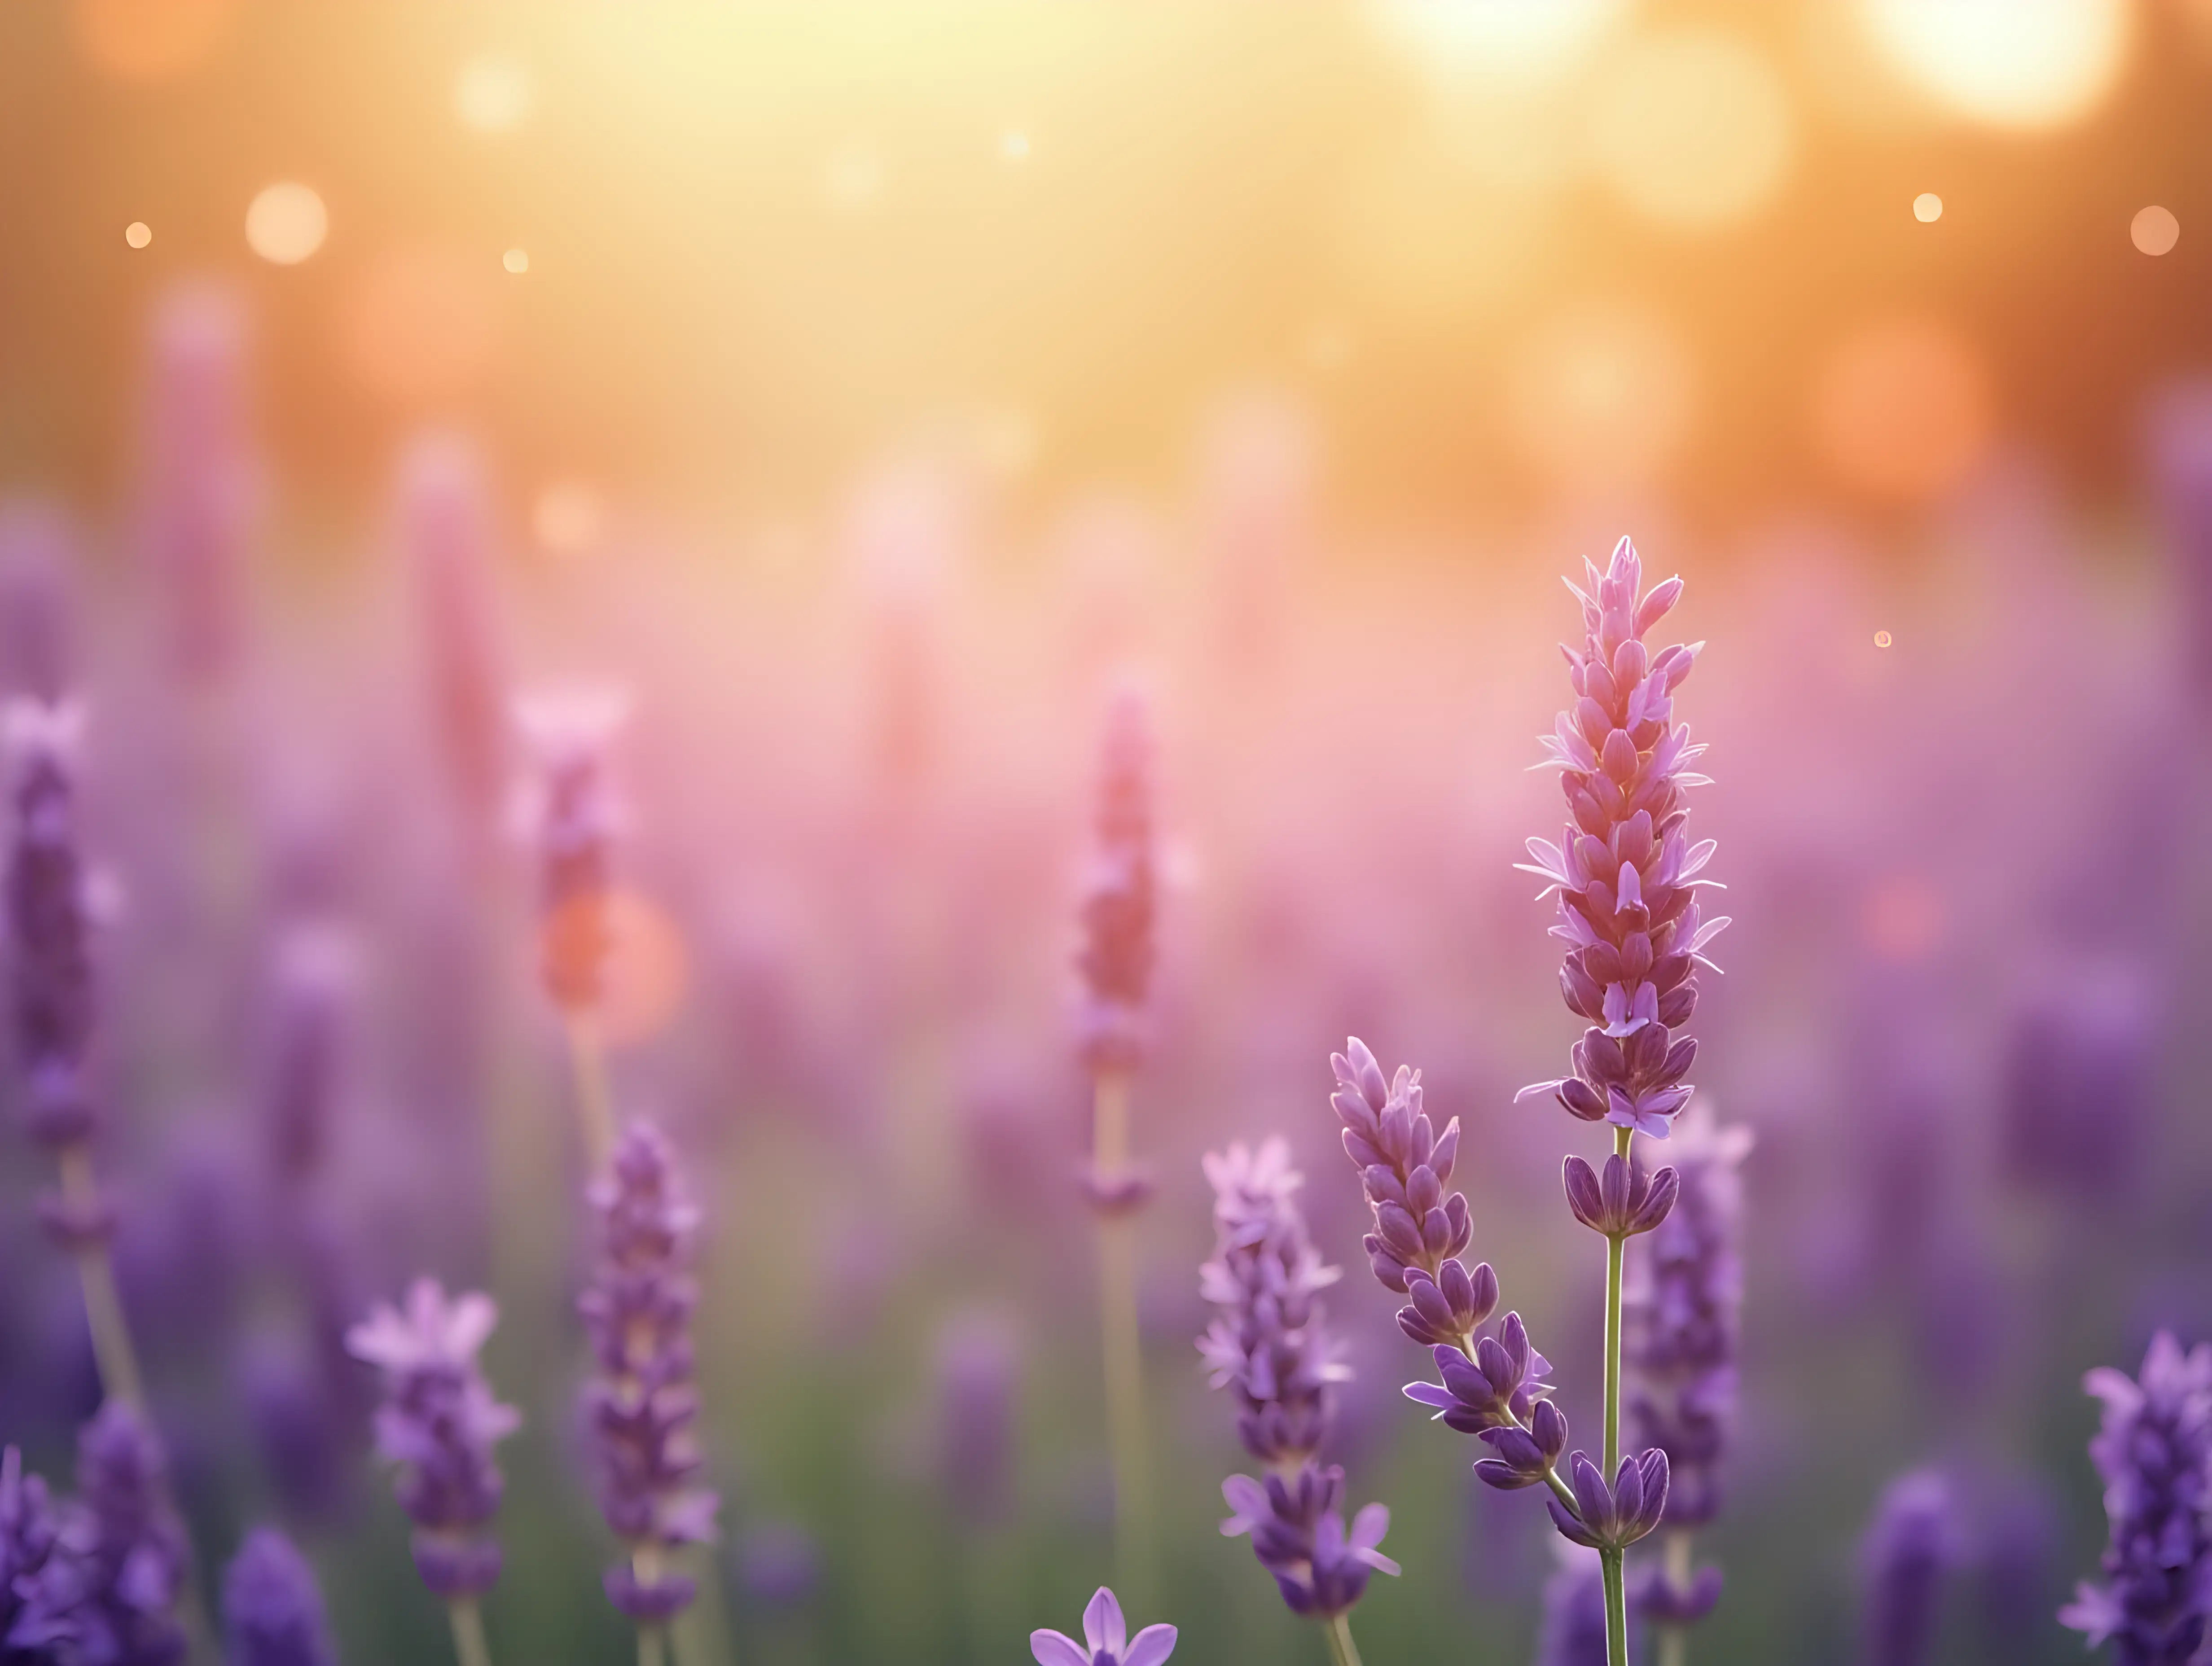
273	1609
112	1582
2154	1449
1119	895
49	930
1268	1343
438	1425
1625	873
1420	1229
571	810
444	523
198	480
1573	1631
29	1531
1613	1517
1106	1639
1681	1304
1910	1545
641	1405
978	1365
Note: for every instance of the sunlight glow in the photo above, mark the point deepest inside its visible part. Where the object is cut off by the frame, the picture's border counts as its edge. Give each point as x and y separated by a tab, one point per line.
2021	63
1692	128
2155	230
1927	208
1521	40
493	92
1901	410
286	224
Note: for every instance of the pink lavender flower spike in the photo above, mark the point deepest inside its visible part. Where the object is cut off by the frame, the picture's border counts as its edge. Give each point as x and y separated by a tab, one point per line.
1625	873
641	1405
1106	1639
570	811
1120	896
2154	1449
273	1609
438	1425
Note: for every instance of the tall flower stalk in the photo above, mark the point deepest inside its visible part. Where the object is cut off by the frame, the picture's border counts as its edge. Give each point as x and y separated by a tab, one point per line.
640	1406
1115	962
437	1428
1269	1345
1624	878
1681	1309
50	929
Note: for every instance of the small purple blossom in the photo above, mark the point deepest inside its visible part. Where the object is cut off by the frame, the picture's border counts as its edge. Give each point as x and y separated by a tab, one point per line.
1613	1517
2154	1448
1497	1388
1297	1529
1106	1639
29	1531
437	1426
1625	873
111	1584
1910	1546
1625	1203
1119	894
641	1405
273	1609
1681	1307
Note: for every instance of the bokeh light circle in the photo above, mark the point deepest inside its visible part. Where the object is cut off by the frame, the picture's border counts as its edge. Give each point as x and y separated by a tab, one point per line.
2009	62
1883	639
493	92
286	224
2155	230
1927	208
516	261
1901	410
1521	40
147	41
1692	128
569	517
1604	397
138	234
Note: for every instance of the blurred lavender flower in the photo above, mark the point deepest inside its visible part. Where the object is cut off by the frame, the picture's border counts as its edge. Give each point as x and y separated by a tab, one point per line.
314	975
778	1564
1625	873
1119	895
1106	1639
1681	1305
1911	1544
438	1425
571	811
117	1565
2078	1085
50	931
641	1406
29	1531
1573	1630
35	550
2154	1449
1269	1342
977	1366
273	1609
444	523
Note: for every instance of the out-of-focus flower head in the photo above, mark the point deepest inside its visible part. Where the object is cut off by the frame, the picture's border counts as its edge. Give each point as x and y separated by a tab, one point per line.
314	972
1119	892
1573	1630
438	1425
1625	873
569	811
35	599
273	1609
1106	1639
1909	1548
641	1405
445	527
110	1585
1320	1566
978	1371
29	1529
2154	1448
1681	1305
1268	1342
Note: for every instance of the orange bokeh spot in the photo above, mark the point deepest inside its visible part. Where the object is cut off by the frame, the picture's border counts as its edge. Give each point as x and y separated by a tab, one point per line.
421	325
145	41
1901	410
617	961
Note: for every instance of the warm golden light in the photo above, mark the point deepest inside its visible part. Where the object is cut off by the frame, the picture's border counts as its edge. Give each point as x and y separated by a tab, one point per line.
2009	62
419	325
1882	639
568	517
493	92
2155	230
286	224
1692	128
1901	410
1014	145
1603	398
145	41
138	234
516	261
1520	39
1927	208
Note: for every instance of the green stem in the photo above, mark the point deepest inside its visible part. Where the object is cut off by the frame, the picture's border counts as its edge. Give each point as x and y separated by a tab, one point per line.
1341	1648
103	1307
1616	1598
1561	1490
650	1651
594	1105
469	1646
1121	1347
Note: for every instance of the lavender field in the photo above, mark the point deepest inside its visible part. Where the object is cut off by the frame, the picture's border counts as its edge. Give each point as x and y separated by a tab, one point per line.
808	861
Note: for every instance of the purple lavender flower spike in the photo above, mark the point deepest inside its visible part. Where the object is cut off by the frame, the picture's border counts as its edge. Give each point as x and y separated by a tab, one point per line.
1523	1456
1625	1203
437	1426
641	1405
1106	1639
1267	1341
1616	1517
273	1609
2154	1448
1119	894
49	927
444	516
570	811
978	1373
1908	1549
1500	1385
1625	873
112	1582
30	1534
1660	1600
